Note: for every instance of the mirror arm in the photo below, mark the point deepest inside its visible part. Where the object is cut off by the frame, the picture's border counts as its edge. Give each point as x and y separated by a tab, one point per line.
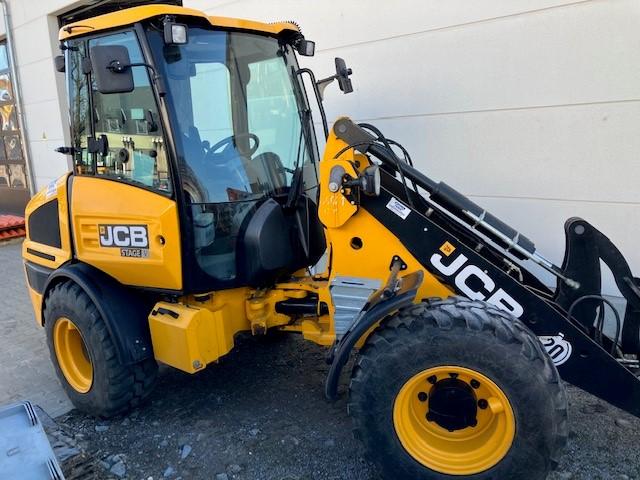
155	77
317	90
324	83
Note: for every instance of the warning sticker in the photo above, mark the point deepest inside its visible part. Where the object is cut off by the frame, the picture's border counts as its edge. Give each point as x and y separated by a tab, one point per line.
447	248
399	208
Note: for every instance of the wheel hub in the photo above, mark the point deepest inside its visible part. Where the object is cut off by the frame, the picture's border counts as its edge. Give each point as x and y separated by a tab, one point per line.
454	420
72	356
452	405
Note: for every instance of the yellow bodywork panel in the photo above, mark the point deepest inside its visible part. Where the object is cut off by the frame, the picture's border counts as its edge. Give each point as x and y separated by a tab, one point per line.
47	255
373	258
130	16
107	209
189	337
360	245
334	209
200	328
56	190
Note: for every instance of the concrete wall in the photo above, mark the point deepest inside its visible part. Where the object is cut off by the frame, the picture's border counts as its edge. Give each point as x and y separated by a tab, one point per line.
531	107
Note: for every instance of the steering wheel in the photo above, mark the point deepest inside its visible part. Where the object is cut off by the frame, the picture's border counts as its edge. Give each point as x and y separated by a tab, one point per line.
219	152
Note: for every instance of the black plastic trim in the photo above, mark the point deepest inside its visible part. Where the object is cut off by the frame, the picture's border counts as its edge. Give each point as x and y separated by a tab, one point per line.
37	253
37	276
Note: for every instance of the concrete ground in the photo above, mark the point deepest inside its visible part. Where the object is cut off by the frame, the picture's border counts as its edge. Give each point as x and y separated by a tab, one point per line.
258	414
26	372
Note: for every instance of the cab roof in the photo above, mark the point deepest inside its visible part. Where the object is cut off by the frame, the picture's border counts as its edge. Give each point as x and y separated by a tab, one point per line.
130	16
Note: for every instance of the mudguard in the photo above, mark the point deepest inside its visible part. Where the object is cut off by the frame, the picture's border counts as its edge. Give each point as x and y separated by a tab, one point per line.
123	309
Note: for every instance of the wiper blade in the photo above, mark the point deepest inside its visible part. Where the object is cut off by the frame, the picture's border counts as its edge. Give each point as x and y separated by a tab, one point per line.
294	191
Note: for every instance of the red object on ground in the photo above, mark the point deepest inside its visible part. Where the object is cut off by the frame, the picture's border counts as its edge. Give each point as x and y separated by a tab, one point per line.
11	226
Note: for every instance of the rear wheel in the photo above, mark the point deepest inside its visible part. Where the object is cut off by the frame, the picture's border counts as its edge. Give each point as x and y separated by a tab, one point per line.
85	359
457	387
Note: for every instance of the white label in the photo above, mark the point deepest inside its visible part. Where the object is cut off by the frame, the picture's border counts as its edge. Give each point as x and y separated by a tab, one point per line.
52	189
399	208
134	236
557	347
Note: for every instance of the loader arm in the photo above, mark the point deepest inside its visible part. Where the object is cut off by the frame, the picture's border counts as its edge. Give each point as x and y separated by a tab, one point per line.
471	266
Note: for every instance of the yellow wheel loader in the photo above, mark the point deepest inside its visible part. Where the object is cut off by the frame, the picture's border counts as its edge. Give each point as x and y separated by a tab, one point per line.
199	207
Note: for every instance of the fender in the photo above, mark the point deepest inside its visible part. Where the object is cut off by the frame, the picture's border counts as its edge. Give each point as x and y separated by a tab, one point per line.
378	309
123	309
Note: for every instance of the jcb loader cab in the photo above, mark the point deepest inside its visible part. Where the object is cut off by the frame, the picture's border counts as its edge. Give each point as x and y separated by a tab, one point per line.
198	208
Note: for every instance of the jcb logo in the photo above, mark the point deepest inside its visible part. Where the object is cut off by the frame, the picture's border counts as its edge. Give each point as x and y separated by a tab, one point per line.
475	283
123	236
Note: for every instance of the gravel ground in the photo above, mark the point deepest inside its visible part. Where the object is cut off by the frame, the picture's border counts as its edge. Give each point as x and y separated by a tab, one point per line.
261	414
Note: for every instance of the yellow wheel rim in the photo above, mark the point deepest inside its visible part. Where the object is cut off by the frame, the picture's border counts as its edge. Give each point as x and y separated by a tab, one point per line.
72	355
466	450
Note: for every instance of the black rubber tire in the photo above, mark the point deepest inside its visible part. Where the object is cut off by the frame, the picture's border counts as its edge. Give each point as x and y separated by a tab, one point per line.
116	388
469	334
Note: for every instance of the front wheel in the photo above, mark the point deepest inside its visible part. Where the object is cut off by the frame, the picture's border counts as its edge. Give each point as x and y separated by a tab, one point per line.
456	388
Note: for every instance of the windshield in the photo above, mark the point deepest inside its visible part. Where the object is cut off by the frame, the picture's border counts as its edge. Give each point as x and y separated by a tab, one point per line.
243	133
239	119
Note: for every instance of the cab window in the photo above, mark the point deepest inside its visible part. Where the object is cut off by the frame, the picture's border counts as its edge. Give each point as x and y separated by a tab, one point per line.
129	122
78	86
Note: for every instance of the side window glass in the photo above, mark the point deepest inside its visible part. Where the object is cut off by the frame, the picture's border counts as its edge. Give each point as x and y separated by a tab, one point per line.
79	108
131	123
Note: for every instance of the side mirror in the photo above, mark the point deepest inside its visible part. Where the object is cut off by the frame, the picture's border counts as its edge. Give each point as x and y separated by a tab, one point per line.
342	75
59	63
306	48
111	66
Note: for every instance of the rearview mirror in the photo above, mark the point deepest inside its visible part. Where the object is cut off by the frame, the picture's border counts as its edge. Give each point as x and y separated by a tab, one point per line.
342	75
111	67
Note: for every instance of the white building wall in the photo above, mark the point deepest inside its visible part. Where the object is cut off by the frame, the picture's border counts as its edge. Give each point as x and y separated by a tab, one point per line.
531	107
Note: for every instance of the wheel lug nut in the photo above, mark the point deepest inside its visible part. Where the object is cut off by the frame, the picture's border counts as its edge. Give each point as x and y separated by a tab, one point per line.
482	403
422	397
475	383
432	379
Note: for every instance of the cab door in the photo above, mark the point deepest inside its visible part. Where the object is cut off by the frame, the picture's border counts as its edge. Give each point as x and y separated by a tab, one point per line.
124	216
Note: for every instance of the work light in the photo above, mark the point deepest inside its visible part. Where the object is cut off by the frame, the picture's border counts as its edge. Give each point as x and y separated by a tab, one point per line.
175	33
